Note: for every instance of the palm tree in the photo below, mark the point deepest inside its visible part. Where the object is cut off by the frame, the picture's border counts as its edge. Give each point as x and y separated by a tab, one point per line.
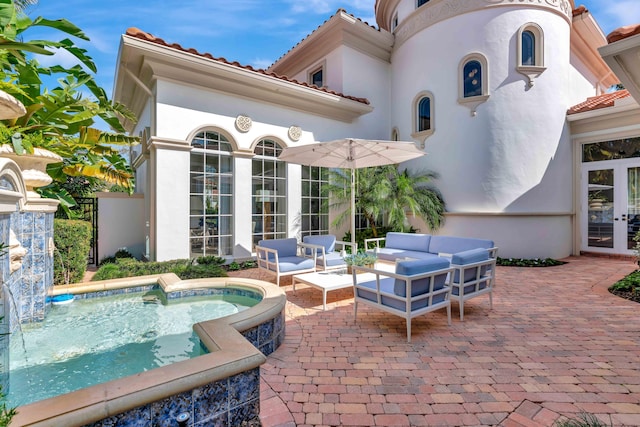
413	193
386	192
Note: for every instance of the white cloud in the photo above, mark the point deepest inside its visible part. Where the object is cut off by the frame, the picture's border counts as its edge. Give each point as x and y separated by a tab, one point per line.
261	63
60	57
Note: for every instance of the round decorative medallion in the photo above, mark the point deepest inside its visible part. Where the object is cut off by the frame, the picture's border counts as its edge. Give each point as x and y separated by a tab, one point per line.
243	123
295	132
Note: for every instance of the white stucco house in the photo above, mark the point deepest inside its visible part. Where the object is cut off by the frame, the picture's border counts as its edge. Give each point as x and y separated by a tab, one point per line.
509	100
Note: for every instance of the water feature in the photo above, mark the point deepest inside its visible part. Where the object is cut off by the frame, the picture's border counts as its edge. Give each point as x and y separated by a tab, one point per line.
94	340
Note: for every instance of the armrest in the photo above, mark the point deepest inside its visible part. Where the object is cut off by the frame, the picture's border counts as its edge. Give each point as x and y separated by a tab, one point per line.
377	241
493	252
354	246
408	280
262	255
313	249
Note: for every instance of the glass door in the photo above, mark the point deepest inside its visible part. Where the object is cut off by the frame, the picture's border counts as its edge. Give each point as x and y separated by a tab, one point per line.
611	201
600	208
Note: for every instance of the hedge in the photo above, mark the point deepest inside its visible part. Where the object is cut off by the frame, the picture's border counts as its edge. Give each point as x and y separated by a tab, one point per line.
72	239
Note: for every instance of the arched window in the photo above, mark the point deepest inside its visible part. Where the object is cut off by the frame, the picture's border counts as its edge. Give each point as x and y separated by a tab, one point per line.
424	114
472	75
211	195
473	83
530	54
269	192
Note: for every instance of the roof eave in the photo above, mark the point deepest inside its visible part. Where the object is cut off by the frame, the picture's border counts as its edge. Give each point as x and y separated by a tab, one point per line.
341	29
165	63
586	38
623	57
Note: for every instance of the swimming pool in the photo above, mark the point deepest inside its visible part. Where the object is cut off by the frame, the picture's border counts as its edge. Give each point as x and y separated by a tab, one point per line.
94	340
221	387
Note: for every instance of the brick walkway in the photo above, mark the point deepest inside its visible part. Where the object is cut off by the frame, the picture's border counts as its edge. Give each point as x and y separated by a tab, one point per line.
556	343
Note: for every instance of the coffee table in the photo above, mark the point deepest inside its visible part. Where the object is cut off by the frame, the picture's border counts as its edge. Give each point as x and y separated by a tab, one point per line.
331	280
325	281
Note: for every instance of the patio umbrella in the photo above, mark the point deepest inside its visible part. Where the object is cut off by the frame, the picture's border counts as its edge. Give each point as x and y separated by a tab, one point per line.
351	153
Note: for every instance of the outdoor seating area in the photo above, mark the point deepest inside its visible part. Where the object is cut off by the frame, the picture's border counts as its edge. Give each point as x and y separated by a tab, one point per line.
520	364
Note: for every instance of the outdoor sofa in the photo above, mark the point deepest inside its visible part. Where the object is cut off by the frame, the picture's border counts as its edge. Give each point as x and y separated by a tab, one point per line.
473	260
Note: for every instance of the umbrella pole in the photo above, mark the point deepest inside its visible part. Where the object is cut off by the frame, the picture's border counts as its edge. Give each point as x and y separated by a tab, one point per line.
353	209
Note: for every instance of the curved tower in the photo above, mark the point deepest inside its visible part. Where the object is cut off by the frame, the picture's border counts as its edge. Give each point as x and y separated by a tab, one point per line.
485	85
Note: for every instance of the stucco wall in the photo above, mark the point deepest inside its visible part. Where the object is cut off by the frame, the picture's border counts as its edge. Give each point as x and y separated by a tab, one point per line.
121	224
514	156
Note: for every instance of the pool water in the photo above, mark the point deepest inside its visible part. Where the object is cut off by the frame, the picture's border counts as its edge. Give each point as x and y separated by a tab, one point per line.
95	340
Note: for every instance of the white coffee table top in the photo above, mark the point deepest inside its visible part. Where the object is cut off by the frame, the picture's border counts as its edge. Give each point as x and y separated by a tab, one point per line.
331	280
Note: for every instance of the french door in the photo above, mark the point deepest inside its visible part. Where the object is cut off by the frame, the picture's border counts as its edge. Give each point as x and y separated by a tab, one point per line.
611	206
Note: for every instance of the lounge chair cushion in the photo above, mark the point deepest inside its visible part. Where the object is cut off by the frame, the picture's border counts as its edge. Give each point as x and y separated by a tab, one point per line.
294	263
408	241
453	245
285	247
413	267
388	298
393	254
328	241
332	259
469	257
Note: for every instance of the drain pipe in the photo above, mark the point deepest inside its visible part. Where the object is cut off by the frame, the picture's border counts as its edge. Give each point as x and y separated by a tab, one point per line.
183	419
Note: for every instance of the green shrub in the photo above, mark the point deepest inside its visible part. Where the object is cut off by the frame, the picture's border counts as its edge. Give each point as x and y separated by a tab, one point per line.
233	266
631	283
108	271
248	264
522	262
120	253
183	268
210	260
72	240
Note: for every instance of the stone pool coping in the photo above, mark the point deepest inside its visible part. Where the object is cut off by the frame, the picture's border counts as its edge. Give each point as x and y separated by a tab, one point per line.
231	354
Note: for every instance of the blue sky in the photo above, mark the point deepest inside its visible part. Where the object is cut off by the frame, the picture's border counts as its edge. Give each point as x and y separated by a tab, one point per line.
252	32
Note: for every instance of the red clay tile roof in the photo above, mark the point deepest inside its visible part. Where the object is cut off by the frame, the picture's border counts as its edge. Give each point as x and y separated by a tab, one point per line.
623	33
579	10
340	10
598	102
142	35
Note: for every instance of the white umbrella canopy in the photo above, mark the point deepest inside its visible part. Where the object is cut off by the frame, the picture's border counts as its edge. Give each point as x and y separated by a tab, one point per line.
351	153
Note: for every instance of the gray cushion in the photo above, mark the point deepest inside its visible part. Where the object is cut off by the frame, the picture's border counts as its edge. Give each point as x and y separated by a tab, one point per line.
285	247
469	257
413	267
452	245
332	260
328	241
408	241
294	263
391	254
387	287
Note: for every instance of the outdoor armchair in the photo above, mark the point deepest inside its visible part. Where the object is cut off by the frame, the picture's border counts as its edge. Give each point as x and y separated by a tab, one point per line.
329	251
474	275
415	288
283	257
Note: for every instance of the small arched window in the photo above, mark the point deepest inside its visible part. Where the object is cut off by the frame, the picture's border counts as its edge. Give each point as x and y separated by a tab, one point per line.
530	54
472	76
423	116
473	83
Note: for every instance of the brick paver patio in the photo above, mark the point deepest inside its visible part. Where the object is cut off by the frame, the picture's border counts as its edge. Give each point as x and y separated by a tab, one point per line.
556	343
